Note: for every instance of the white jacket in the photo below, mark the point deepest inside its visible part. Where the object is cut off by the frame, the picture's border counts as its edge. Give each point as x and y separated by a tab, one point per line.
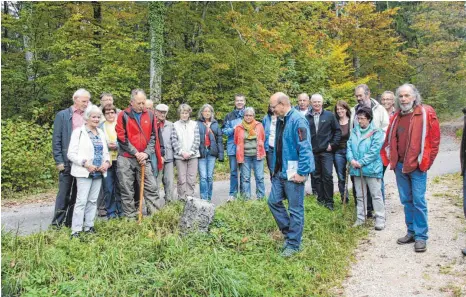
81	148
380	117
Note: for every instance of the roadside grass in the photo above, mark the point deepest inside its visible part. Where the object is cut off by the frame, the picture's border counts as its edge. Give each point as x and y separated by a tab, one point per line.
238	257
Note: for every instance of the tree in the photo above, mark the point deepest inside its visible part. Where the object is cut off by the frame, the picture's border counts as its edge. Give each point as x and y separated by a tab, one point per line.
156	23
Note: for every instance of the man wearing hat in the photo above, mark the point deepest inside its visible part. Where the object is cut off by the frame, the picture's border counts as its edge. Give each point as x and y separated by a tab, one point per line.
165	176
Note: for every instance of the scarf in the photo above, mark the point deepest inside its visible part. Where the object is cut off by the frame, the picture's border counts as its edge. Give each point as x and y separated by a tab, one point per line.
250	129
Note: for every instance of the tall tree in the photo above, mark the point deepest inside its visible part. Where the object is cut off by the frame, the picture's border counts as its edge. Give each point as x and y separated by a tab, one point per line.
156	23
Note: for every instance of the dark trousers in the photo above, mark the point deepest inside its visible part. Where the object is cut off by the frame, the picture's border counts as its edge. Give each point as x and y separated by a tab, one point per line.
269	156
323	176
66	198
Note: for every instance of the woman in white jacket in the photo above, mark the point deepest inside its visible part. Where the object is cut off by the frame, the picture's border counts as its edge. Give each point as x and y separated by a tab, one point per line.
90	159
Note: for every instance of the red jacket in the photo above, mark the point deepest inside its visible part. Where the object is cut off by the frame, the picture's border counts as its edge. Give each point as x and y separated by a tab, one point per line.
423	140
133	138
239	141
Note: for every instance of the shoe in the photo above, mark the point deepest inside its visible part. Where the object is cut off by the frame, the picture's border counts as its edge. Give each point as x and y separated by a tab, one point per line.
288	252
231	198
329	206
464	251
75	235
358	223
102	212
420	246
379	224
408	238
369	215
91	230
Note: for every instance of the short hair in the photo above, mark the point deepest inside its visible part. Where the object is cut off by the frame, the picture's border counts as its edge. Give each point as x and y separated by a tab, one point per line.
137	91
389	93
250	110
109	107
239	95
105	94
366	111
282	98
345	105
91	109
201	117
81	92
184	107
366	89
414	92
317	96
305	95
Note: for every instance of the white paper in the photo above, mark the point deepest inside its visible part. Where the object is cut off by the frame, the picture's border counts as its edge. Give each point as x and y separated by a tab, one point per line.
292	169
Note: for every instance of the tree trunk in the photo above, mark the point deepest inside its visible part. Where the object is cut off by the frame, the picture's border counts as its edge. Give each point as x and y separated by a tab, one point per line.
29	56
97	6
6	10
156	21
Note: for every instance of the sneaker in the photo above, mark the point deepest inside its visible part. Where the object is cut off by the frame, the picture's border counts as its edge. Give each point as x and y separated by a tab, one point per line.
379	224
358	223
420	246
231	198
288	252
408	238
91	230
75	235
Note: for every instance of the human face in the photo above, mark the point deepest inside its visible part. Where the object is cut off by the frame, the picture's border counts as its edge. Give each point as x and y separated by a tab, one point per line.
161	115
184	116
149	105
110	115
249	117
362	98
81	102
341	112
138	103
363	121
303	102
316	103
106	100
387	101
406	98
273	104
93	121
207	114
240	102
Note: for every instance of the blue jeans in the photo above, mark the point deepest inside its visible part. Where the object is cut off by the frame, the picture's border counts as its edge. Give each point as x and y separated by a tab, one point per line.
339	161
258	166
464	192
206	176
412	190
269	156
233	175
292	224
112	192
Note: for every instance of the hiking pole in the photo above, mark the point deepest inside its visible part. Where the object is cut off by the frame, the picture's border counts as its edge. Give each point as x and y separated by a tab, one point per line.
141	192
345	193
363	195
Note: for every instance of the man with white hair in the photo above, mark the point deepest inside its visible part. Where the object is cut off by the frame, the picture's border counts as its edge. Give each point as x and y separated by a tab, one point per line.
411	145
303	104
166	176
65	122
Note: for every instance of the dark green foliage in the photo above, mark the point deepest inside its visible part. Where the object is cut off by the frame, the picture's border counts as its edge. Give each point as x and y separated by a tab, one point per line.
239	257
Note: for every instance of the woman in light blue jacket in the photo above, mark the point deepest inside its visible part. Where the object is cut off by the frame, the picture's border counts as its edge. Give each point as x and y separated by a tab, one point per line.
363	153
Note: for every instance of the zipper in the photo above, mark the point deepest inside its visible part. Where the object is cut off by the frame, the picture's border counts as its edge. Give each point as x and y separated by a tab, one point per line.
409	142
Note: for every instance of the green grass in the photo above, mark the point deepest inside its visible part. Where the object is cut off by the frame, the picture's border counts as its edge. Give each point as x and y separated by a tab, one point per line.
239	257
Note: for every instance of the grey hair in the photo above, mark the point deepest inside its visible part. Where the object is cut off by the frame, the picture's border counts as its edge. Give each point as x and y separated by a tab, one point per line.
250	110
282	98
305	95
91	109
366	89
414	92
390	93
201	117
184	107
137	91
105	94
81	92
317	96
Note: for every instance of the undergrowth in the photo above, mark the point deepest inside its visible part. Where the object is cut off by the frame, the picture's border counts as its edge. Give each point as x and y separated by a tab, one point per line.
238	257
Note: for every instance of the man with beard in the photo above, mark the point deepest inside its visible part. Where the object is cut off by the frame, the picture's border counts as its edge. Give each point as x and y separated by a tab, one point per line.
411	145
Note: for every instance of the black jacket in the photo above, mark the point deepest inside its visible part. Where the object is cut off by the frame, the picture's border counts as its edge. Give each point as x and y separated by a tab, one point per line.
463	146
216	140
62	135
328	133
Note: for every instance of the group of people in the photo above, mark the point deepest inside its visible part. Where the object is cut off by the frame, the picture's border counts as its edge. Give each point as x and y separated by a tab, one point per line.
104	145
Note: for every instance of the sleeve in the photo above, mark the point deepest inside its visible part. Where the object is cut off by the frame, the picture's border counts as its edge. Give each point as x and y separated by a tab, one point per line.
150	148
306	163
349	149
122	139
175	142
219	138
161	142
73	149
197	140
336	132
374	150
434	131
385	119
57	139
227	129
105	151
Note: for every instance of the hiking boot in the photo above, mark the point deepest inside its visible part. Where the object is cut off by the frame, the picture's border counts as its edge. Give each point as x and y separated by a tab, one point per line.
288	252
420	246
75	235
91	230
379	224
408	238
464	251
358	223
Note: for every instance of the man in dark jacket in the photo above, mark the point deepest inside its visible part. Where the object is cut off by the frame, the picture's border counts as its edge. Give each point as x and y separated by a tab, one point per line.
325	136
65	122
136	140
463	166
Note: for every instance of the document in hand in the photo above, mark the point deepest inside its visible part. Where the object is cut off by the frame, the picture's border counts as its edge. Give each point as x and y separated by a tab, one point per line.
292	169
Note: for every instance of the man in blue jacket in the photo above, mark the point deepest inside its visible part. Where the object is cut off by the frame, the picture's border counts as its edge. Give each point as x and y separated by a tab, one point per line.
233	119
293	162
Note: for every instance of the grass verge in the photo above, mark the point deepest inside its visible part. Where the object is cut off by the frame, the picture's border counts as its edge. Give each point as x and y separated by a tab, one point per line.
239	256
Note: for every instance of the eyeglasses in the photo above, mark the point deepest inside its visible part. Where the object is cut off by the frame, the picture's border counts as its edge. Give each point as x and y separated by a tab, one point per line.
273	106
109	112
248	115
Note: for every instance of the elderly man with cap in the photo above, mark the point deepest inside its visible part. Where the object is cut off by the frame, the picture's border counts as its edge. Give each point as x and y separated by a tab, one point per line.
166	175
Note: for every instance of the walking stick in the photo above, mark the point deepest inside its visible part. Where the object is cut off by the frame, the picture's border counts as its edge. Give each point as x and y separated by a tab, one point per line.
141	192
363	195
345	193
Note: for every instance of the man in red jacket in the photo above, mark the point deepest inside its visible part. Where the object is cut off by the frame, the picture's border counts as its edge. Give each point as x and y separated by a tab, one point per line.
411	145
136	141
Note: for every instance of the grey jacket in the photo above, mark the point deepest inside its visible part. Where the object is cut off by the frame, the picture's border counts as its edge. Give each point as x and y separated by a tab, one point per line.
167	140
62	128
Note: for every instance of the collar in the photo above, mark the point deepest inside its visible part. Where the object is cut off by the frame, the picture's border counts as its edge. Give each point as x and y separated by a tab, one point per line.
75	110
319	113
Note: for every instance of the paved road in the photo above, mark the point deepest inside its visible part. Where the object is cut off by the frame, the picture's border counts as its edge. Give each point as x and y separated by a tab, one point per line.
32	218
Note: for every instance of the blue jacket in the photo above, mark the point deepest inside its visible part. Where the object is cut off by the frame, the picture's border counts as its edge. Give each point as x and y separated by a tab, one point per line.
62	128
266	122
366	150
231	120
296	145
216	140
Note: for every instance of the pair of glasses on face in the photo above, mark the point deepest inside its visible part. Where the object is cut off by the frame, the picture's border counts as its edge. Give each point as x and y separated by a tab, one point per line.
109	112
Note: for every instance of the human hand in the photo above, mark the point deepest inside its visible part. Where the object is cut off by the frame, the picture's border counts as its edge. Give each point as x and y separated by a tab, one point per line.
60	167
104	167
185	155
112	146
355	164
329	148
91	168
298	178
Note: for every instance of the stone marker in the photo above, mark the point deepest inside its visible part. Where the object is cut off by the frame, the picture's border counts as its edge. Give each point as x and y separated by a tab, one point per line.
197	215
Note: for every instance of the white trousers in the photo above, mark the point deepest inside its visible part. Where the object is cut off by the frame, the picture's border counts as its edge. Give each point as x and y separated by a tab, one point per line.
86	203
375	187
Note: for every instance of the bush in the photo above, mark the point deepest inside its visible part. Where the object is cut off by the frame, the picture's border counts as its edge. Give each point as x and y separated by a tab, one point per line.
27	162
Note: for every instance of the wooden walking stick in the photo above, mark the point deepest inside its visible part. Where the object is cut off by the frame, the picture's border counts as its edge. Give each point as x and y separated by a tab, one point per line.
141	192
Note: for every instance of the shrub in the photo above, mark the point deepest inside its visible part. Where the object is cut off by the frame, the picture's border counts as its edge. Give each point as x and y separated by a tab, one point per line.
27	162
